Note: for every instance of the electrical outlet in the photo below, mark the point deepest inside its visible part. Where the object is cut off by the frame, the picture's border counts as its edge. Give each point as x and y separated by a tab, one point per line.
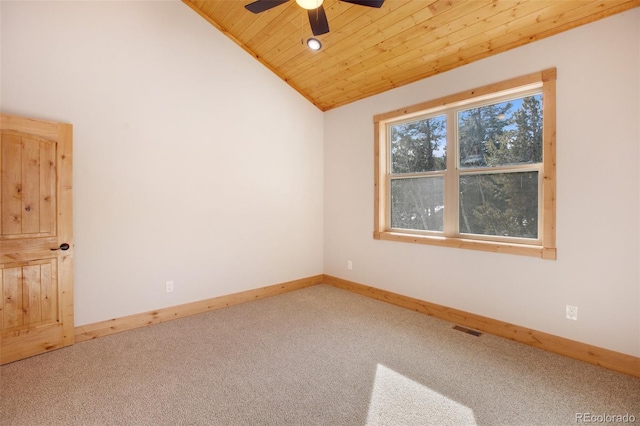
349	265
168	286
572	312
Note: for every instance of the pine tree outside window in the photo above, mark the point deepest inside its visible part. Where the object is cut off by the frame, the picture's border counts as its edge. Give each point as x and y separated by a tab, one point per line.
473	170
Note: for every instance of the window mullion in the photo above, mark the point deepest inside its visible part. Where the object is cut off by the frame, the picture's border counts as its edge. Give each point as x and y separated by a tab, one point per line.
451	179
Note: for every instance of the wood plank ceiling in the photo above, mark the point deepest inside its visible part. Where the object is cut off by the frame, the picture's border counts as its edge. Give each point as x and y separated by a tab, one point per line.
369	51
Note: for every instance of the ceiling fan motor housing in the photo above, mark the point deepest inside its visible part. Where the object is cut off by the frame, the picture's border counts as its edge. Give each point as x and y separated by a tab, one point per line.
317	16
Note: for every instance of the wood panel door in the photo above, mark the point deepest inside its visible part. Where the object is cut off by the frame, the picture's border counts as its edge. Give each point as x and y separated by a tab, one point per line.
36	237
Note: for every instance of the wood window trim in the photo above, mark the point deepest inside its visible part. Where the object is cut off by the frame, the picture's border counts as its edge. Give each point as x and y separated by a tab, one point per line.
547	249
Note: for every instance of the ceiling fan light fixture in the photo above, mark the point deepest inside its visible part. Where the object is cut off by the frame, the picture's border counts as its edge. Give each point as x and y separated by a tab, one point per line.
309	4
314	43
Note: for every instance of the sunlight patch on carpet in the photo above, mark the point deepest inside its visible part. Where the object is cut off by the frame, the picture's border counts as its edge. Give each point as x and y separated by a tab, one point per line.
396	399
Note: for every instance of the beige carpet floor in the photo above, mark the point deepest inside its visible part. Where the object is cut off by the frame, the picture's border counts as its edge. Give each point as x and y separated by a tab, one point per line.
317	356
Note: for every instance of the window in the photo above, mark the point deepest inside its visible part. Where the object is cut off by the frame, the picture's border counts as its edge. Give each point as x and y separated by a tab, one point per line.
474	170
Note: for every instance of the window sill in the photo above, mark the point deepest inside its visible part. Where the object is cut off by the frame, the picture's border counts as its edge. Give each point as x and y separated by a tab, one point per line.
490	246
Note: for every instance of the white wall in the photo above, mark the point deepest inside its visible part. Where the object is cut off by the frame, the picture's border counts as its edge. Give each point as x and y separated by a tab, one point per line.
597	196
193	162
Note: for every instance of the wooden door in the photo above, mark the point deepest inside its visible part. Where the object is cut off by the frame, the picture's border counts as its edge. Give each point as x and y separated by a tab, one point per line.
36	237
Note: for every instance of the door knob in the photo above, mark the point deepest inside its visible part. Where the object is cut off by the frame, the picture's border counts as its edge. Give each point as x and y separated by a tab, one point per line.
63	246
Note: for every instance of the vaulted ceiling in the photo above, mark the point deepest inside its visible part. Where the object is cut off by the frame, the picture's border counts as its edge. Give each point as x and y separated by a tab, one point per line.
370	50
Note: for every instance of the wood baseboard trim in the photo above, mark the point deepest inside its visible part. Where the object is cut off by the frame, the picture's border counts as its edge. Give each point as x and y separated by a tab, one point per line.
606	358
117	325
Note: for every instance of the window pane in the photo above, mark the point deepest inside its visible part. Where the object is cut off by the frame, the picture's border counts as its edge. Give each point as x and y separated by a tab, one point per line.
418	203
503	204
418	146
501	134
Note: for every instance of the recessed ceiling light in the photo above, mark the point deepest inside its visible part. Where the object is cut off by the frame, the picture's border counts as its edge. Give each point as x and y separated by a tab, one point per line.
314	44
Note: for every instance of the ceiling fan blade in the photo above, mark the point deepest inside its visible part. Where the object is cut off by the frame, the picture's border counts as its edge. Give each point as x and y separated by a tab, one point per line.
318	21
370	3
262	5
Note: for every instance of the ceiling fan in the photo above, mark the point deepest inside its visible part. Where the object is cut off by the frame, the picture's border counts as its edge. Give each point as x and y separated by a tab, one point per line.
317	15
